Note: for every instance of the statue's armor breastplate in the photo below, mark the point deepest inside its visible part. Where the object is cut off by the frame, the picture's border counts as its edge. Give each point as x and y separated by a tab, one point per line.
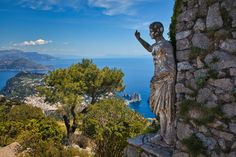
163	58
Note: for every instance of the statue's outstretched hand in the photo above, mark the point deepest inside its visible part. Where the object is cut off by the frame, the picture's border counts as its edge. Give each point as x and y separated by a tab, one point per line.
137	34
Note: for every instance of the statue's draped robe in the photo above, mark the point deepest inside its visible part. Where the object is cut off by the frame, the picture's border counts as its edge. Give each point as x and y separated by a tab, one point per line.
163	86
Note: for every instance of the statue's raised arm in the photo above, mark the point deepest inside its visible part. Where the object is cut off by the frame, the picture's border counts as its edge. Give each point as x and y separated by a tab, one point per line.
147	46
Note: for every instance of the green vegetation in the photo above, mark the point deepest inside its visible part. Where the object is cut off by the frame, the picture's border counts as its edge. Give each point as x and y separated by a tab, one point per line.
194	93
212	73
194	145
206	115
67	86
221	35
22	85
106	125
110	122
196	51
28	126
214	60
172	28
210	33
226	17
234	93
201	80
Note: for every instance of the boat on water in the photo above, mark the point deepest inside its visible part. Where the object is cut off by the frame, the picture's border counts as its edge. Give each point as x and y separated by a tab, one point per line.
134	98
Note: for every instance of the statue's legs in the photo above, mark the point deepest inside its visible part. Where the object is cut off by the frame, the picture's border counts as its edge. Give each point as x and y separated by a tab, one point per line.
163	120
169	135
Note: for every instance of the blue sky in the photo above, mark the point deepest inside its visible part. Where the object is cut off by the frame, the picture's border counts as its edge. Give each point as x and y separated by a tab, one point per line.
82	28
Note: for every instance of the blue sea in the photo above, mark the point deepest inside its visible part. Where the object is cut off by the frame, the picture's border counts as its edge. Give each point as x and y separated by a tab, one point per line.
138	73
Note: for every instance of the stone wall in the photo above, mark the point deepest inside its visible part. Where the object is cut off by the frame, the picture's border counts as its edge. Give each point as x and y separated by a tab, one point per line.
206	78
141	147
204	33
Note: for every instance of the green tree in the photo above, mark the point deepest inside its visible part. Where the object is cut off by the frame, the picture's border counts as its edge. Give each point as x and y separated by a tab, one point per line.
110	122
68	85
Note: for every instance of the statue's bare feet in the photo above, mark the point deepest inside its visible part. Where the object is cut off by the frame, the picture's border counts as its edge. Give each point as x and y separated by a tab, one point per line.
156	139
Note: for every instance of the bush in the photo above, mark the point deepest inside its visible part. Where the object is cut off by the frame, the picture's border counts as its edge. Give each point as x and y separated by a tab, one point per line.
201	80
194	145
208	115
24	113
27	125
110	122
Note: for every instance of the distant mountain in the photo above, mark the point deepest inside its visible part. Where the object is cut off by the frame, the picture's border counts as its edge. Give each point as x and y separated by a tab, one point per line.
21	64
17	54
20	60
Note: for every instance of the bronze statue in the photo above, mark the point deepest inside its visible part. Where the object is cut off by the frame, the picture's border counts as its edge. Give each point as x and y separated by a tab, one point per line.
162	97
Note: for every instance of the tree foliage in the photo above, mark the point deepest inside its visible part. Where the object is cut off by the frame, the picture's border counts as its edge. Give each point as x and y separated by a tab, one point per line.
68	85
28	126
110	122
83	78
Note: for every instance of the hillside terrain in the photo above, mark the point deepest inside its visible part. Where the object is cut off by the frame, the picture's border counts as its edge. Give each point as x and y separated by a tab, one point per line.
21	64
20	60
16	54
22	85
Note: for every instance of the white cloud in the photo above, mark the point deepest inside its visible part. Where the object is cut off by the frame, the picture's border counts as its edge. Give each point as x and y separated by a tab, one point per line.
114	7
111	7
33	42
56	5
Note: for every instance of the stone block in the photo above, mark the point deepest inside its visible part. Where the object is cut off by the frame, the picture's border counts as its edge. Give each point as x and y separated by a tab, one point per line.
188	15
229	45
180	76
225	83
205	94
199	25
183	55
182	66
180	154
233	16
180	88
183	44
232	127
200	40
232	71
214	19
183	131
229	110
224	135
183	34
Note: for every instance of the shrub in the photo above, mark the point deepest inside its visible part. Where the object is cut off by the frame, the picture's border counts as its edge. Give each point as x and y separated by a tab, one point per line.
201	80
194	145
110	122
207	115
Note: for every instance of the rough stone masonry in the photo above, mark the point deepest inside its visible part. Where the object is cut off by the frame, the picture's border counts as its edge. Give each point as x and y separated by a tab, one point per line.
206	82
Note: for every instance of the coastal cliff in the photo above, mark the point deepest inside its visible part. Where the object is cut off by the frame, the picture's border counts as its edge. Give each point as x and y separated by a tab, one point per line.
22	85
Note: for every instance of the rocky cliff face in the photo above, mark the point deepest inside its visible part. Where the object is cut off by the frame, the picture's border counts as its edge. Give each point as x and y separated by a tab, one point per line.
206	77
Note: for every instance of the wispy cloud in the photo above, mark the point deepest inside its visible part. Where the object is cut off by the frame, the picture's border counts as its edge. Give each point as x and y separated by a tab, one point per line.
55	5
114	7
110	7
33	42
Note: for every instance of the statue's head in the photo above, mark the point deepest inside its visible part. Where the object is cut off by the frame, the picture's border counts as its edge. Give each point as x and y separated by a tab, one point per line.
156	29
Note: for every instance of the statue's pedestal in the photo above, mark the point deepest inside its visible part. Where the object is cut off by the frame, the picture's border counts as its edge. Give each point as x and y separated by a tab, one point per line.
141	147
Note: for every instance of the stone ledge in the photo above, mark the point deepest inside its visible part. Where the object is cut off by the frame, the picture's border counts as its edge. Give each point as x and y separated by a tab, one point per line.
140	147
